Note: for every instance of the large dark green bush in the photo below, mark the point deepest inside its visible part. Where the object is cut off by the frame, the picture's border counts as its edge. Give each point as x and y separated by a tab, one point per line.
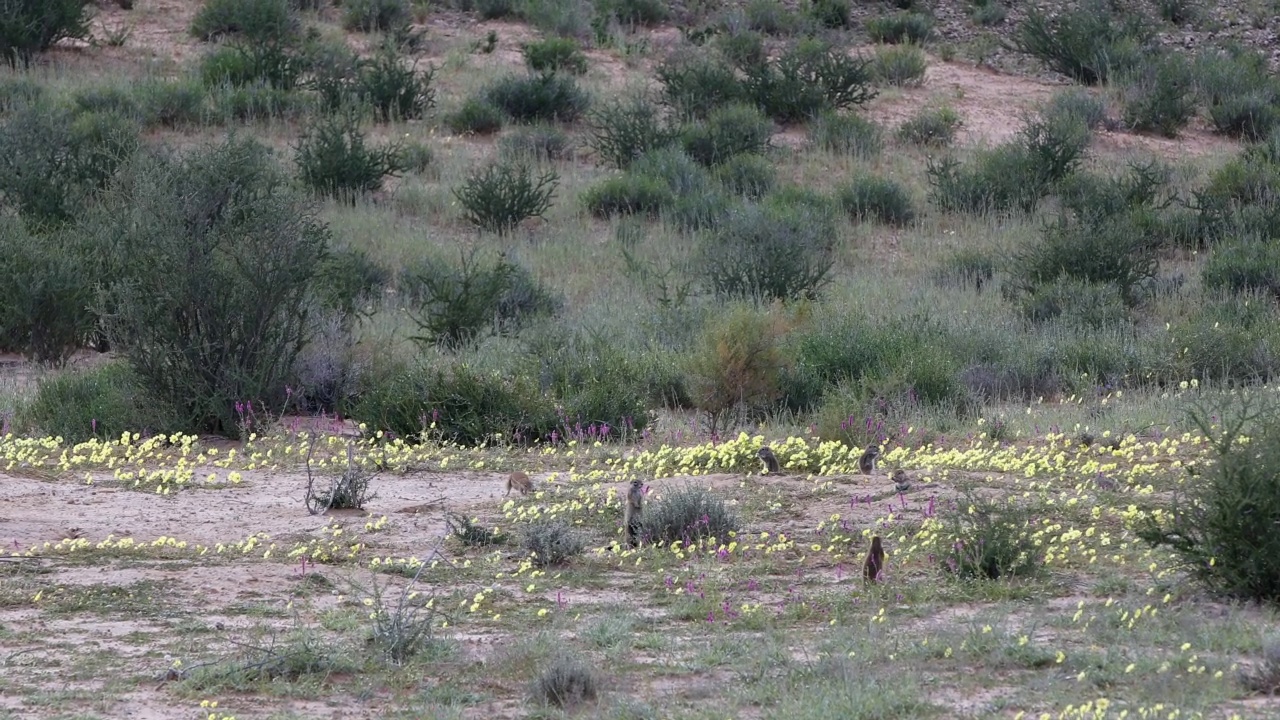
257	21
602	386
551	97
626	128
476	116
333	159
1241	198
102	402
1075	302
728	131
452	304
694	84
48	290
867	197
1159	97
769	251
1221	523
556	53
1245	265
242	64
395	91
349	282
216	260
749	175
52	161
1234	339
808	79
1118	250
903	27
376	15
31	26
627	194
830	13
1086	42
500	196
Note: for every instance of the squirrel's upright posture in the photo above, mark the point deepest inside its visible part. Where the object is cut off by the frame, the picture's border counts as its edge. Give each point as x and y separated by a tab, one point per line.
631	510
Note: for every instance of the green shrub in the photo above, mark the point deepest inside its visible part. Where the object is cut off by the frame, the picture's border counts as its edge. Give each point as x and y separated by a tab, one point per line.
1226	340
1252	116
214	235
769	252
1075	301
900	65
556	53
1158	96
1086	43
627	194
995	181
565	681
967	266
743	49
632	13
103	402
19	90
868	197
172	103
728	131
1179	12
333	160
830	13
347	280
688	514
1094	197
256	102
694	84
988	14
49	287
257	21
566	18
396	92
602	386
477	116
1114	250
1246	265
736	367
417	157
51	162
250	64
1079	105
748	175
771	17
625	128
550	543
549	97
31	26
846	133
454	304
903	27
387	16
542	143
931	126
501	196
116	99
494	9
989	538
1221	521
334	75
1055	145
807	80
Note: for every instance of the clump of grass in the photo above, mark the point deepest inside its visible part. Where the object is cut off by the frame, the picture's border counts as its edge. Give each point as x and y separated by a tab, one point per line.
900	65
931	126
476	116
904	27
469	533
566	681
868	197
846	133
551	542
553	54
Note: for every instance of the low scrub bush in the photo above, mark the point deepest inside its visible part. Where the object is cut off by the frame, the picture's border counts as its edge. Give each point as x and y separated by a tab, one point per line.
1226	340
903	27
832	14
172	103
769	251
1077	105
540	143
1095	197
808	79
256	21
988	538
998	180
549	97
632	13
566	681
743	49
748	175
1076	302
250	64
1241	198
102	402
333	159
476	116
395	91
846	133
1221	522
1251	116
1251	264
550	543
256	102
627	194
556	53
868	197
387	16
215	235
28	27
348	281
1158	96
687	514
694	84
502	195
771	17
1087	43
1115	250
728	131
900	65
931	126
624	129
988	13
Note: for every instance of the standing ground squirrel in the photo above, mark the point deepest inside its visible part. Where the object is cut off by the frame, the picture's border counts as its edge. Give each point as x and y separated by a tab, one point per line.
519	481
875	560
770	460
631	510
867	463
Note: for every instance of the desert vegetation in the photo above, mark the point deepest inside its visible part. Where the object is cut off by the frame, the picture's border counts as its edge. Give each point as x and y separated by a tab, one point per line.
288	286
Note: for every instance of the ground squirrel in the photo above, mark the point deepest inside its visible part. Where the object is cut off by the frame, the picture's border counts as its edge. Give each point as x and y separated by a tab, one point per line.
631	509
867	463
875	560
770	460
519	481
